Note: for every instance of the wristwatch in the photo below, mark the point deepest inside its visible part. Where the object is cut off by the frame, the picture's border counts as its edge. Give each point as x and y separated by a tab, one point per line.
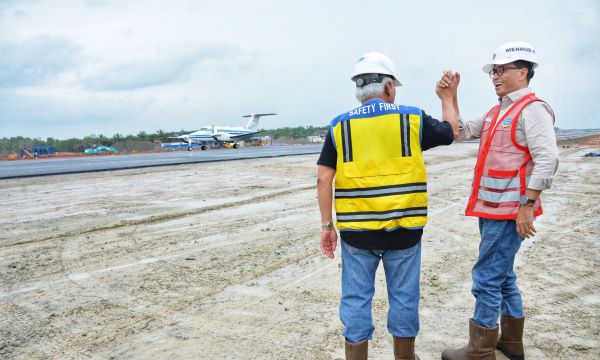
328	226
526	201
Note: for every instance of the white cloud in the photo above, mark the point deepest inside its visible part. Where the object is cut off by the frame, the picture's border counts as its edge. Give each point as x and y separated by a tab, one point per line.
216	62
144	65
36	60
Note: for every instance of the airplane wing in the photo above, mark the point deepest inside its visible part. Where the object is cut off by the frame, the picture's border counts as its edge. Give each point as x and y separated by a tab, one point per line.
185	138
245	136
250	115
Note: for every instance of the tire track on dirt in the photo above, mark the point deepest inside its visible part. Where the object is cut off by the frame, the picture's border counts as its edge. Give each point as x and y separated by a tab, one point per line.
150	315
159	316
159	218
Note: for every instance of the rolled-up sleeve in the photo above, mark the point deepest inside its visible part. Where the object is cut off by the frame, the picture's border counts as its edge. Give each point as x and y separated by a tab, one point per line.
469	129
538	126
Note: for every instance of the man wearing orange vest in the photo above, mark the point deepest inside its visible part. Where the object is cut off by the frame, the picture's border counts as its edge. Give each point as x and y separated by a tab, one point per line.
517	160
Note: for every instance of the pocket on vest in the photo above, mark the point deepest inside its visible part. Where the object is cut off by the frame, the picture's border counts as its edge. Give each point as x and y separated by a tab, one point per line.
393	166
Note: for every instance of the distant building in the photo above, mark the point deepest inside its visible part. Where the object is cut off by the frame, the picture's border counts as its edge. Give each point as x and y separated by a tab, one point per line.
43	150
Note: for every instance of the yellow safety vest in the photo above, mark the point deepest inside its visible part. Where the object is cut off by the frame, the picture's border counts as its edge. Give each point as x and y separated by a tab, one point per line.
380	181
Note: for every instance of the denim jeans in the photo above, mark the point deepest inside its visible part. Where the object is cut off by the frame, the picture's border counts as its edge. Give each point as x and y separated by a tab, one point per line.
402	271
494	280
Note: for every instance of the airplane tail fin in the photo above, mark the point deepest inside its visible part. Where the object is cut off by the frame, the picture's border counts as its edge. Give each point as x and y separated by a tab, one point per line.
253	122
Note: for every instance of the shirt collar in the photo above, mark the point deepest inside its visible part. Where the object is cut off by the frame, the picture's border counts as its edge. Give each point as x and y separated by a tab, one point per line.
514	96
374	100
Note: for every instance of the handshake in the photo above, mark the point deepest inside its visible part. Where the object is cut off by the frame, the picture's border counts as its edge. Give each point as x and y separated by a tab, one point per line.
446	87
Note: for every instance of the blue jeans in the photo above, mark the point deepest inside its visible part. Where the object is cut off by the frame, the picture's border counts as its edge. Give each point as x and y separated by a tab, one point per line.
402	271
494	280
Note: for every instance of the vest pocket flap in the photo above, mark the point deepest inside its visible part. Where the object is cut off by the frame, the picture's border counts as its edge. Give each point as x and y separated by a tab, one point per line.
380	167
503	173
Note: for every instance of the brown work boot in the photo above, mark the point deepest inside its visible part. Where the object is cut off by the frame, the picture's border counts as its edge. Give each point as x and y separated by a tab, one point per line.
358	351
481	346
511	337
404	348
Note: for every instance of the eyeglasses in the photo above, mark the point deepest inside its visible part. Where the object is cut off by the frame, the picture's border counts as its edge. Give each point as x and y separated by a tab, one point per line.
500	70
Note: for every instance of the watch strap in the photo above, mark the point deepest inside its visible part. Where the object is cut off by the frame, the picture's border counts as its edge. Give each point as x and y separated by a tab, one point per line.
530	202
328	226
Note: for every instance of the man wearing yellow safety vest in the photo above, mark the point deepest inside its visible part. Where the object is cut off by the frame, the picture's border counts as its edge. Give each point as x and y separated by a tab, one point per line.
517	159
375	154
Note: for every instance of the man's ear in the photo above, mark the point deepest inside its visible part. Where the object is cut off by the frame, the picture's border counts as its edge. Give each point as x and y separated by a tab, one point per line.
523	73
389	89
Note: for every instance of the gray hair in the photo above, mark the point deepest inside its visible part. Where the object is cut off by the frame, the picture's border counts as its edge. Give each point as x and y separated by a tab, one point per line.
372	90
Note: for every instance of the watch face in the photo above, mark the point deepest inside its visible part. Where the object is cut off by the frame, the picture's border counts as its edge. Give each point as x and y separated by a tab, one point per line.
328	226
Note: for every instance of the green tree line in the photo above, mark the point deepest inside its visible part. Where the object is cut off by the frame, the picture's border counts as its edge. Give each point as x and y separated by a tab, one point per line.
14	144
296	132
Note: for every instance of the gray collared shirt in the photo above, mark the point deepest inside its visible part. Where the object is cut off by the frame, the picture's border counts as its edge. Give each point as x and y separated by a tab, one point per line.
535	129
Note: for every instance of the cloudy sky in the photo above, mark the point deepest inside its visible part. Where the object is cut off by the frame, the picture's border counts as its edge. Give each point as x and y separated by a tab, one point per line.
76	68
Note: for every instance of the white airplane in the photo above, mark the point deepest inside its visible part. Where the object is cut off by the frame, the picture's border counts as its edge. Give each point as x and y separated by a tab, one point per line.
223	134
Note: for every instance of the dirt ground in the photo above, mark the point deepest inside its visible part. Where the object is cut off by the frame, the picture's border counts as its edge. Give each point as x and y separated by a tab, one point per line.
221	261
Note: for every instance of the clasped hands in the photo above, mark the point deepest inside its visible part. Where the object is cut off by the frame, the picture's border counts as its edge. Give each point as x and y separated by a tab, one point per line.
447	86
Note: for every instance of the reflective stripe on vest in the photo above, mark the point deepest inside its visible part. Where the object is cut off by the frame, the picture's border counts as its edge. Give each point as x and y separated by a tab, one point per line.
381	191
498	197
382	215
380	180
501	184
346	141
405	134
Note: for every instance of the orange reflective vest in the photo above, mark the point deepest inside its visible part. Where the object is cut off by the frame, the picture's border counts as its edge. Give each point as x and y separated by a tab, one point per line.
503	166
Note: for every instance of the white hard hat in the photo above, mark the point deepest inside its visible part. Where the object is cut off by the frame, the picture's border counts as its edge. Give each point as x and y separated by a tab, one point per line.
375	63
512	51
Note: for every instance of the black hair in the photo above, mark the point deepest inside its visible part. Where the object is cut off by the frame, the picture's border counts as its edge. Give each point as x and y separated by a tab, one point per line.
522	64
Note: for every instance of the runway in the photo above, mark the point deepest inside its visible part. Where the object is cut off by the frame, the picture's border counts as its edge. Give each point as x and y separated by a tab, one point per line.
59	166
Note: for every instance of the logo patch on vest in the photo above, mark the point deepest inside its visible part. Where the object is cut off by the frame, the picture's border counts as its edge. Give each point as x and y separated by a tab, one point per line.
506	122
